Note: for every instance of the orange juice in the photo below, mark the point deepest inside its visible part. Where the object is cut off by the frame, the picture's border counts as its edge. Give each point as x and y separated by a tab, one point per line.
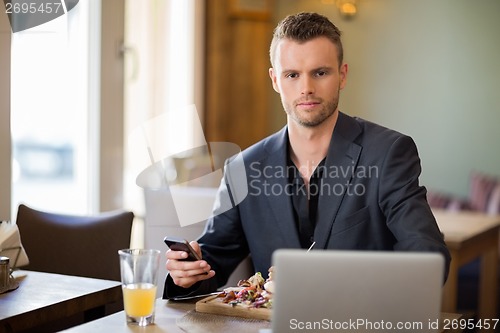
139	299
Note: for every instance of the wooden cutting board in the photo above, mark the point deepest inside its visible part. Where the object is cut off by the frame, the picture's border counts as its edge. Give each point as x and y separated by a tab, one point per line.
214	305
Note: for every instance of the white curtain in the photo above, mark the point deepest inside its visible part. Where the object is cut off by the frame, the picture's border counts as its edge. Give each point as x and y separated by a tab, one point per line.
163	50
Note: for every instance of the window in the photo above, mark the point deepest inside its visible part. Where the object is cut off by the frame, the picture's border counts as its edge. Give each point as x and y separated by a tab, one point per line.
55	118
50	114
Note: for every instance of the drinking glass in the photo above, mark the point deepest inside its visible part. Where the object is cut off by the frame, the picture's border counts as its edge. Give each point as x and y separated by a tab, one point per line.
139	273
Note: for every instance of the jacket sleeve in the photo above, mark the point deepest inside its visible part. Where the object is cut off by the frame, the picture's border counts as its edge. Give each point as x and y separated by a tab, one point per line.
404	202
171	290
223	246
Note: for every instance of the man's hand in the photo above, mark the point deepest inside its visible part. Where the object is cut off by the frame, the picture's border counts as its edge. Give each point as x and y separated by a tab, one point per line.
186	273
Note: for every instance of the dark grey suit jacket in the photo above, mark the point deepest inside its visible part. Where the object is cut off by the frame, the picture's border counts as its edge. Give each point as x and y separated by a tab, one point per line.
370	200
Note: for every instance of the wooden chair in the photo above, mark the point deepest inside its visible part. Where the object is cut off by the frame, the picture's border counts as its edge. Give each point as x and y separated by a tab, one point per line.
74	245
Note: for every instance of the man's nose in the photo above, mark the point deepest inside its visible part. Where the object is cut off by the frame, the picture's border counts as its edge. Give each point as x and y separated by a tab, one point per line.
307	87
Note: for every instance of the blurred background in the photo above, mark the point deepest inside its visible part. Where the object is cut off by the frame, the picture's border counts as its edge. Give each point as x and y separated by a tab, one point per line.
74	89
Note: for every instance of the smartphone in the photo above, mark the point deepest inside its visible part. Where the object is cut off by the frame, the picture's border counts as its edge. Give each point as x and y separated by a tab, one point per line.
179	244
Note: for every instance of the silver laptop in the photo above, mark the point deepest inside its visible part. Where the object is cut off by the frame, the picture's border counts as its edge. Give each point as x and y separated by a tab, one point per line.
356	291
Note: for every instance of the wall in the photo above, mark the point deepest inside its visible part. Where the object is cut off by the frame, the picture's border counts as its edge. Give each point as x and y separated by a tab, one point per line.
429	69
5	144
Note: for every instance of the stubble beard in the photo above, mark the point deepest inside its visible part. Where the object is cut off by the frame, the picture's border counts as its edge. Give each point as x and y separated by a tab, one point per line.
312	119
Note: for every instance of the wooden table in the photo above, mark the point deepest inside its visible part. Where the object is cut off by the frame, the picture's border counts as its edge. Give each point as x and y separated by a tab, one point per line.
471	235
167	314
48	302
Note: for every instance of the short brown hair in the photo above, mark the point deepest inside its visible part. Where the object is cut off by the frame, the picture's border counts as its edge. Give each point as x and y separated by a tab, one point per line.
303	27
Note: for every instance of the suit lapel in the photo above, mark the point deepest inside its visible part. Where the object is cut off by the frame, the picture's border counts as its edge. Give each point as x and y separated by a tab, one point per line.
281	203
341	162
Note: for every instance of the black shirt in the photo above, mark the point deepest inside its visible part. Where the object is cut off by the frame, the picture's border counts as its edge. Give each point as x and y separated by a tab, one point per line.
305	201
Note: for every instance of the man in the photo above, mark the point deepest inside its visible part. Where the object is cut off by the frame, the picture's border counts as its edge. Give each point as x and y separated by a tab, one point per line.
326	179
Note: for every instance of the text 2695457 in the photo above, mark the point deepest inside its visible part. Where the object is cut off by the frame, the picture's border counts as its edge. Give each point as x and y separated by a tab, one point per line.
33	7
470	323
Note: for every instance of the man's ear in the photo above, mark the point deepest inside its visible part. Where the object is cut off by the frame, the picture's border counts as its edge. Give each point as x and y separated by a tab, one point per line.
273	77
343	75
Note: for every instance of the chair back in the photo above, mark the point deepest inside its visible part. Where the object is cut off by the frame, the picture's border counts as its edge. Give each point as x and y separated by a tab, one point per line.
75	245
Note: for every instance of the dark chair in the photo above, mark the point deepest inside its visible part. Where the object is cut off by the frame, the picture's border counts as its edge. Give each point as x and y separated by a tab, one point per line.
74	245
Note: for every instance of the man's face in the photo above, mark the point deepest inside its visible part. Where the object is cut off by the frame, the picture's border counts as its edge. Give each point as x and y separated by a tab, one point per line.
308	78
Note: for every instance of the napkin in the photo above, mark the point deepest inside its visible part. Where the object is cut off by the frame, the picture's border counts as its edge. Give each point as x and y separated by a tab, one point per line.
10	245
